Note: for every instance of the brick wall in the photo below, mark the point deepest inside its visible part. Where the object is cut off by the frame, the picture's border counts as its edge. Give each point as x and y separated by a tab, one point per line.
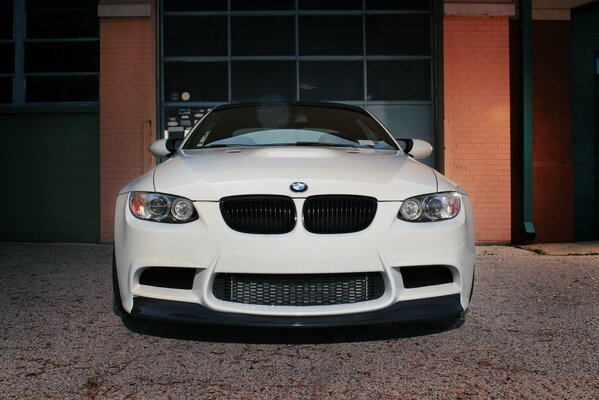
127	107
477	119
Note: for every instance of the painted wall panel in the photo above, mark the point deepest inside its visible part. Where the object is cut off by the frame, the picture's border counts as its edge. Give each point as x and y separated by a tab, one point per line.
553	195
585	47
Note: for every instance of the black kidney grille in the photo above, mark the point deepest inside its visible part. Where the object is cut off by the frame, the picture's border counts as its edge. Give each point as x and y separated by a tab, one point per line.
259	214
338	214
298	289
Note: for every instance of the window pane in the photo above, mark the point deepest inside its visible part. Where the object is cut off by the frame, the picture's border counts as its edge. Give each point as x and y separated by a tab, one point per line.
195	36
62	57
207	81
264	36
194	5
54	4
331	80
62	23
399	80
62	88
180	120
7	58
330	4
253	80
397	4
251	5
400	34
5	24
407	120
5	90
330	35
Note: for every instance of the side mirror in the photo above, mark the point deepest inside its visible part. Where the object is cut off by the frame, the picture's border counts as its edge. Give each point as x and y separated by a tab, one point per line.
165	147
419	149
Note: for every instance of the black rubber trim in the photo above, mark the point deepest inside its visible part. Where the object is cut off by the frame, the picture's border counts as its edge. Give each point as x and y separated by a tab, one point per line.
405	311
327	104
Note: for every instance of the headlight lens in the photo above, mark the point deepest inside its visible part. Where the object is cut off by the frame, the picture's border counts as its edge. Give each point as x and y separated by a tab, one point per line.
162	207
182	209
431	207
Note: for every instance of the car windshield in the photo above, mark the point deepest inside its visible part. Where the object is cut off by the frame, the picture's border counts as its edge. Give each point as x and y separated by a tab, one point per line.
289	125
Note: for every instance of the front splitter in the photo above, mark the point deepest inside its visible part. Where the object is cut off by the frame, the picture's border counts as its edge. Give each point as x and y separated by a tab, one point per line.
404	311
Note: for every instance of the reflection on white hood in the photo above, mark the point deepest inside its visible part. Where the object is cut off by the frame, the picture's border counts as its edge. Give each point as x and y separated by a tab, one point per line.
211	174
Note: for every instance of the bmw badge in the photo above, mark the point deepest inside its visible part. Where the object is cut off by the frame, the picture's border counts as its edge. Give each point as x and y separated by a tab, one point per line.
298	187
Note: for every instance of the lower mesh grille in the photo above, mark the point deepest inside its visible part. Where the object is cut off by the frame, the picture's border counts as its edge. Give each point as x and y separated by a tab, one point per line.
298	290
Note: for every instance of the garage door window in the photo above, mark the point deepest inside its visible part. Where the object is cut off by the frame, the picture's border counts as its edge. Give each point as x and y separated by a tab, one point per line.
372	53
49	51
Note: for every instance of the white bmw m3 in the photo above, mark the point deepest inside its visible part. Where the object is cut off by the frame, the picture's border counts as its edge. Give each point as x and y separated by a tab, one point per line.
294	214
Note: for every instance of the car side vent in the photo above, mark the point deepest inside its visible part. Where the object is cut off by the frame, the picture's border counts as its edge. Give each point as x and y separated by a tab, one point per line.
259	214
338	213
425	275
168	277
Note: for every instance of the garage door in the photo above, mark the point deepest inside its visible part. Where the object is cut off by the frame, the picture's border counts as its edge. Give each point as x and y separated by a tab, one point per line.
373	53
49	124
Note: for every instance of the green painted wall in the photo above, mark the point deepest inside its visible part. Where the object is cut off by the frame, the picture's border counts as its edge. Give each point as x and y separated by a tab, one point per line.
49	177
585	144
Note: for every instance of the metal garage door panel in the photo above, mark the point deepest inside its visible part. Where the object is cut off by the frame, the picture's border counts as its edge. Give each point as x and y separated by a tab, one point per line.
51	180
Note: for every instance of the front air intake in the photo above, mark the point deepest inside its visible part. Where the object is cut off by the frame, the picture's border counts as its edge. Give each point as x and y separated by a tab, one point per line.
425	275
298	289
266	215
168	277
338	213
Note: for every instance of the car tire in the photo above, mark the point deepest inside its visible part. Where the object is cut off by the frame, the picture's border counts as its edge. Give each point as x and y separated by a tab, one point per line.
456	321
453	322
472	286
117	304
459	320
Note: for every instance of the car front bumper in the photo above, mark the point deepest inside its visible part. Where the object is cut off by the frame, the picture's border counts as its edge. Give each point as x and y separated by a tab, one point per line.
210	247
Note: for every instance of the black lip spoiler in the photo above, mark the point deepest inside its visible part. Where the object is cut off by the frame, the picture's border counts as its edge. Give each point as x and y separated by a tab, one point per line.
405	311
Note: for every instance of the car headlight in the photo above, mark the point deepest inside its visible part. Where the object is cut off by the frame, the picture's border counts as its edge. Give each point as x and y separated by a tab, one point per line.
162	207
430	207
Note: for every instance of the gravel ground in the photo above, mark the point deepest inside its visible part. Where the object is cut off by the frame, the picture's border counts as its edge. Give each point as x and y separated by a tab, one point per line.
532	332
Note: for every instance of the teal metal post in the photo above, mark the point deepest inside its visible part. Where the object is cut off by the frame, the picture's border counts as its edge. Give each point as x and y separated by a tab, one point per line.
526	23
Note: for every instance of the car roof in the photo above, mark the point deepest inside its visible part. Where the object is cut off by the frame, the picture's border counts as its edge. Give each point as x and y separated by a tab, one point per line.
325	104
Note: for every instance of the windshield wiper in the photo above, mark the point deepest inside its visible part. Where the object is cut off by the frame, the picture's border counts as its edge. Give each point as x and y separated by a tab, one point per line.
214	146
322	144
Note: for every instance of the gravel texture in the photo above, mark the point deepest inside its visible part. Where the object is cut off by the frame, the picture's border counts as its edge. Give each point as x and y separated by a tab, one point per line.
532	333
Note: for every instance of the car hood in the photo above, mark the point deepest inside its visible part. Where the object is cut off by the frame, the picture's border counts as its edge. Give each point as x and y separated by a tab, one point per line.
211	174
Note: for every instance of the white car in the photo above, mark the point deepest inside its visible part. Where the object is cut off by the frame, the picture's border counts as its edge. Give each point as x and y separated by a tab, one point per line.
294	214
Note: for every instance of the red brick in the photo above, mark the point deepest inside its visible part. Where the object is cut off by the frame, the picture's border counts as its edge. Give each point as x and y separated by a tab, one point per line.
128	69
477	119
